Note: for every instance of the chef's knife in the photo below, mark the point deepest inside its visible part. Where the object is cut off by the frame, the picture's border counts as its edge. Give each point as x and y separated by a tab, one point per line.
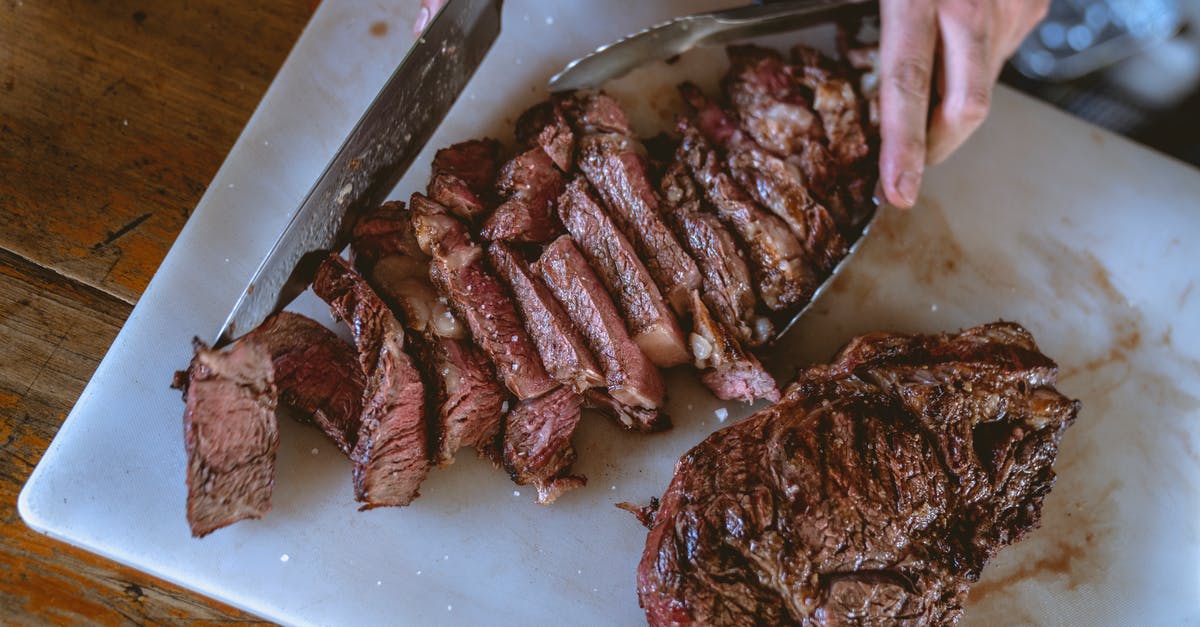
681	34
373	158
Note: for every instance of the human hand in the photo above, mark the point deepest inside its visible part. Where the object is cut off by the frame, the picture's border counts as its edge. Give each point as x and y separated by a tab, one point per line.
972	38
429	8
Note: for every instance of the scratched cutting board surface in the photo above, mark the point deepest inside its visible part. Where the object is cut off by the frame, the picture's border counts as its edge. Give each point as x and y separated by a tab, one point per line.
1085	238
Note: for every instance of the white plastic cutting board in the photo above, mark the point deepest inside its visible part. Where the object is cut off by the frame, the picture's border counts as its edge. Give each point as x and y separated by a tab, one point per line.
1088	240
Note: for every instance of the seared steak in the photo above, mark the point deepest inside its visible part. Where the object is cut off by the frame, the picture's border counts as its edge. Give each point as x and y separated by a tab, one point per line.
316	373
726	279
463	175
594	112
465	398
544	126
230	434
390	456
537	443
563	350
651	323
782	274
727	370
478	298
531	183
873	494
767	98
632	379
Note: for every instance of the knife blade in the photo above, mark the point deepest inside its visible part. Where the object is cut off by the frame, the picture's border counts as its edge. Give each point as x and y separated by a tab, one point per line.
674	37
377	153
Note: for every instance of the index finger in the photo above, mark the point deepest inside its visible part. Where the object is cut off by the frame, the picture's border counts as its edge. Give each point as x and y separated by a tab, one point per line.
906	46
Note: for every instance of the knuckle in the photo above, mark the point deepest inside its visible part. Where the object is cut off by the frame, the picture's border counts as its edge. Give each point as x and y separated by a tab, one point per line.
973	107
911	77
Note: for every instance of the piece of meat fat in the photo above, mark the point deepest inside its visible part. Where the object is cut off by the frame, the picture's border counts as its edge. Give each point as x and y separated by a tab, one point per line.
316	372
230	434
617	171
530	183
545	126
383	231
728	287
651	323
727	370
630	376
563	349
479	299
537	443
783	277
391	454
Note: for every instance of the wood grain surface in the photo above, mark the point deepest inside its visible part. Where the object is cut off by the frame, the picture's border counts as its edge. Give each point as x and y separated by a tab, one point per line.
113	118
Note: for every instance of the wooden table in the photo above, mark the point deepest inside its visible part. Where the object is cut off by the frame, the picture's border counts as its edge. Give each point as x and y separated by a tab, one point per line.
114	116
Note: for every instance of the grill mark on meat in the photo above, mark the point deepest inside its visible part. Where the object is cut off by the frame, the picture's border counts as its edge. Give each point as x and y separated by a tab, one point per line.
466	399
316	373
478	298
531	183
651	323
563	350
728	290
463	175
230	434
782	275
728	371
874	492
544	125
630	377
390	456
537	443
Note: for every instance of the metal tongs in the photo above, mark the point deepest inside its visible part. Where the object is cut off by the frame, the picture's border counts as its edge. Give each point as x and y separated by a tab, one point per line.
674	37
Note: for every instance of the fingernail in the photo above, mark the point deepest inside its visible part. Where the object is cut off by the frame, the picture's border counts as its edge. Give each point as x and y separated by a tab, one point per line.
422	21
908	184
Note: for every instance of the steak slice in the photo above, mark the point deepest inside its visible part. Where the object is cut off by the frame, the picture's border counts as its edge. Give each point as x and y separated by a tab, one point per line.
391	455
230	434
315	372
767	98
874	493
629	416
544	126
782	275
463	175
837	104
617	170
728	371
563	350
477	297
591	111
651	323
537	443
531	183
465	397
728	288
631	378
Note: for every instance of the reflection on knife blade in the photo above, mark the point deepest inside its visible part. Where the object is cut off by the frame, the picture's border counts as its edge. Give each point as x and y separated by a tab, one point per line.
377	153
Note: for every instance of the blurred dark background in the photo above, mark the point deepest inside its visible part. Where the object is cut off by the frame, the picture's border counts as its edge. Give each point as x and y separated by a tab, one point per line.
1132	66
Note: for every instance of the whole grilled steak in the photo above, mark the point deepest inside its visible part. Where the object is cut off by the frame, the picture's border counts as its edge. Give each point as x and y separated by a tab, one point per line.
874	493
230	434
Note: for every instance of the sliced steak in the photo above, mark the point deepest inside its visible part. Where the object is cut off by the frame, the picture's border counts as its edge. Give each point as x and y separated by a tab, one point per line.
727	370
617	170
531	184
782	274
650	321
631	378
459	273
874	493
391	455
728	288
463	175
766	97
316	373
563	350
537	443
544	126
837	104
591	111
465	398
628	416
230	434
